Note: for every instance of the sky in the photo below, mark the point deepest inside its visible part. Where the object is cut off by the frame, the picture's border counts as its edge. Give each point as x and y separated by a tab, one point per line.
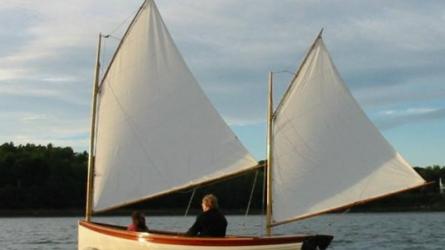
391	55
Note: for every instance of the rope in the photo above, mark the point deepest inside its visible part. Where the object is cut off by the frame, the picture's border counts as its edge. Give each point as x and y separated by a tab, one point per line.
125	21
251	194
190	202
114	37
250	199
111	35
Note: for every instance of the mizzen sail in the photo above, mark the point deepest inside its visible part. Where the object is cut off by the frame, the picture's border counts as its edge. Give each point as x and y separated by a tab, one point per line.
157	131
326	152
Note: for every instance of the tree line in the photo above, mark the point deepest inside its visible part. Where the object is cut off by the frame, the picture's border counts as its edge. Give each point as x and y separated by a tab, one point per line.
41	177
37	177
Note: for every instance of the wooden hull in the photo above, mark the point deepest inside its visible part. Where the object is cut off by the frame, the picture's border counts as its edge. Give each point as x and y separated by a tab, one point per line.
93	236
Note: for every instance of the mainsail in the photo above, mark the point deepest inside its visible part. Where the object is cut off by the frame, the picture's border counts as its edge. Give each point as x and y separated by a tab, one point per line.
157	131
326	152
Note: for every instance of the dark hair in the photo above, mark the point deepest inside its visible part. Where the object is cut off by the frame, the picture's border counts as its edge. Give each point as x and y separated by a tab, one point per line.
139	221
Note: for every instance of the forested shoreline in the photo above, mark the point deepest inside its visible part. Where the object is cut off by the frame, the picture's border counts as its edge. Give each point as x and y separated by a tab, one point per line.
47	180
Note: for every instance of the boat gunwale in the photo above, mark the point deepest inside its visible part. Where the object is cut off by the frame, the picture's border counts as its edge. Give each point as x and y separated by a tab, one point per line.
173	238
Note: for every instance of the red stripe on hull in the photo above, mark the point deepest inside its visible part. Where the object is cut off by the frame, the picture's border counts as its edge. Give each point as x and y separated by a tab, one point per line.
173	239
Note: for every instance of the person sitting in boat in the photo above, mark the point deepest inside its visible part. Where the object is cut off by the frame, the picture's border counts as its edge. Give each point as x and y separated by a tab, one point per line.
211	222
138	222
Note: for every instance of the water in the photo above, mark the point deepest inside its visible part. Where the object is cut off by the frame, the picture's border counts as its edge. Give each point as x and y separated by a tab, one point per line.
395	231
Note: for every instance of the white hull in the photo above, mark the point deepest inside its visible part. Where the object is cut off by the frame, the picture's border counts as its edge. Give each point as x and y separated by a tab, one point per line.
101	237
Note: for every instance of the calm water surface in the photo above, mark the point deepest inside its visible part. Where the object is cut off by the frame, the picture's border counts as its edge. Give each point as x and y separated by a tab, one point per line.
352	231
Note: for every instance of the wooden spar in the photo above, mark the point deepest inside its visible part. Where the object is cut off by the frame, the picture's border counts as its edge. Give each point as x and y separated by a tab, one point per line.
222	178
269	159
286	94
349	205
90	178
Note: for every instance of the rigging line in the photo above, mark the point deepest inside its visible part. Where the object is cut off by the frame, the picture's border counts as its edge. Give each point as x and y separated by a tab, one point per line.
114	37
190	202
120	25
281	72
110	35
143	6
297	73
250	197
251	193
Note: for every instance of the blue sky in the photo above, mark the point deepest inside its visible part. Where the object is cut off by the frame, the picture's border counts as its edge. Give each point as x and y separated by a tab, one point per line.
391	54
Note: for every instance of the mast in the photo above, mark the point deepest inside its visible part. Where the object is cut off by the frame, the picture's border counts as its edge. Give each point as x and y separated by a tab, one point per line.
90	180
269	159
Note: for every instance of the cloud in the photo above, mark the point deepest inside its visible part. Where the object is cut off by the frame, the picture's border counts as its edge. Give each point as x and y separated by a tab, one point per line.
243	121
376	45
394	118
389	53
47	54
395	95
44	128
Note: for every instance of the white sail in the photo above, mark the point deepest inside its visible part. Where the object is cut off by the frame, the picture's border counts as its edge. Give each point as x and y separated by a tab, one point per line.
157	131
326	152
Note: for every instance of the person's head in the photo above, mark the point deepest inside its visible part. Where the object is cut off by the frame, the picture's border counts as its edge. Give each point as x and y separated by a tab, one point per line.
138	218
208	202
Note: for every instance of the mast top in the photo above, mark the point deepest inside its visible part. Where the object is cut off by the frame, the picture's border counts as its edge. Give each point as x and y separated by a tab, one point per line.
320	33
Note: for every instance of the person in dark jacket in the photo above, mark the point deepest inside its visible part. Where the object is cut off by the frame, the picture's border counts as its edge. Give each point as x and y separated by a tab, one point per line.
211	222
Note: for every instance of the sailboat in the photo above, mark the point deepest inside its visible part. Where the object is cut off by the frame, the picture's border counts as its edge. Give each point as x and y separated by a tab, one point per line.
154	132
